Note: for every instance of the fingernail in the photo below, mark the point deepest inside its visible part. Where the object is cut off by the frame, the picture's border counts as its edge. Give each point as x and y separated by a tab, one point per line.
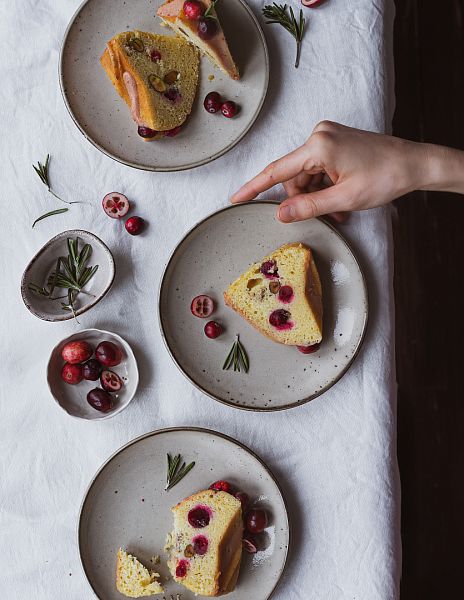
286	214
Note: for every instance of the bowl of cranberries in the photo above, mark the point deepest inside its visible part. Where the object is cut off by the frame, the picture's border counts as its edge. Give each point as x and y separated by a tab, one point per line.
92	374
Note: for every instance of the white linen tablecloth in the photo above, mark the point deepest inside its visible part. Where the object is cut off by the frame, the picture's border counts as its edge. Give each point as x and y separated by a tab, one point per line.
335	457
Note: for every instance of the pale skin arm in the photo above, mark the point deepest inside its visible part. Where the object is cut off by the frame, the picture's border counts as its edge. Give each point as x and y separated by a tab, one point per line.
340	169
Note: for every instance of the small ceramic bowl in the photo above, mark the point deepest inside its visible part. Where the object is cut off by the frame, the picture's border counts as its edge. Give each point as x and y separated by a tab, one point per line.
44	262
73	398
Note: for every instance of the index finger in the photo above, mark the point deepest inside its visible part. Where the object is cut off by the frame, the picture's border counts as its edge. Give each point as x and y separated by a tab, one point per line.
278	171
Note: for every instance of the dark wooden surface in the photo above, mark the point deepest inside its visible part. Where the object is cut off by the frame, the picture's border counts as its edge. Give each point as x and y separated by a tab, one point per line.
429	276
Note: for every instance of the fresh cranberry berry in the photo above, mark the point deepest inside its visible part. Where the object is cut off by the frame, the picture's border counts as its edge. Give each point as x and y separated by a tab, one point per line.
146	132
311	3
72	374
279	317
221	486
108	354
309	349
202	306
256	520
207	28
286	294
213	330
269	269
182	568
91	369
244	499
212	102
135	225
173	95
100	400
173	132
200	545
193	10
76	352
155	55
199	517
229	109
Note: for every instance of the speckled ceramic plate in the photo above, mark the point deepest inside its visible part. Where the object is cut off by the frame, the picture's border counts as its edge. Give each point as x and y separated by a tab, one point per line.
213	254
126	505
105	119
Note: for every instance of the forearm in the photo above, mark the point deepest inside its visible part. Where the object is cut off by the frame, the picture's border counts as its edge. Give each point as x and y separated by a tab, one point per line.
444	169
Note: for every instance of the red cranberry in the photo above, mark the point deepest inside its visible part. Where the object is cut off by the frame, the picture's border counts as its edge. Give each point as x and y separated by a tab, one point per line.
199	517
269	269
182	568
279	317
135	225
72	374
100	400
146	132
249	545
221	486
202	306
213	330
207	28
200	545
244	499
76	352
309	349
256	520
108	354
91	370
173	132
173	95
110	381
286	294
311	3
193	10
229	109
212	102
155	55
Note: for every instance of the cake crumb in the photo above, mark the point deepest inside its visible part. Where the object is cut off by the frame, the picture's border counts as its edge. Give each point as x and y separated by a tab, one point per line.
211	77
155	559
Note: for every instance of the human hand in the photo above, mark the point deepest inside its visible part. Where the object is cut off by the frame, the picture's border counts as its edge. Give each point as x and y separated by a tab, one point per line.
340	169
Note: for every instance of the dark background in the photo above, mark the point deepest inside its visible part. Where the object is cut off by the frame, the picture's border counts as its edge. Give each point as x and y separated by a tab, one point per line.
429	266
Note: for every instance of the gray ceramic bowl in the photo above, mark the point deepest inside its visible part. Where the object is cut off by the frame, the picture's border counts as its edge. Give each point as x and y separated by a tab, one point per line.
44	262
72	398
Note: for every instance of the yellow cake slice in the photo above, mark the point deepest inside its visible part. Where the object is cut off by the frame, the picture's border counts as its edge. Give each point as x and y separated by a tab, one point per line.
212	43
281	296
205	546
156	75
133	579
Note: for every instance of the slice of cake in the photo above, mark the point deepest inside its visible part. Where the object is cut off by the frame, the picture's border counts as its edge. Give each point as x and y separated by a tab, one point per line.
281	296
156	75
133	579
197	21
205	547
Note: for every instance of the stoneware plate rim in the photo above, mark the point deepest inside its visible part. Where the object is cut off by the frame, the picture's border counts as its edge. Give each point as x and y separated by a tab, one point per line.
130	358
187	166
200	430
262	408
66	316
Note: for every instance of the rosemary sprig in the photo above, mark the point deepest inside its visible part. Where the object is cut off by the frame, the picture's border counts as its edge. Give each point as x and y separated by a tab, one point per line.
210	8
42	172
58	211
174	472
71	273
237	357
278	14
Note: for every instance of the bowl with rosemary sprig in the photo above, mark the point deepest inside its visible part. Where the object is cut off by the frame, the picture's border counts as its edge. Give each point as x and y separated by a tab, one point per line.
68	275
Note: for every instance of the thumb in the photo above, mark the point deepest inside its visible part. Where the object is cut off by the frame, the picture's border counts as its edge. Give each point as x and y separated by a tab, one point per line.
313	204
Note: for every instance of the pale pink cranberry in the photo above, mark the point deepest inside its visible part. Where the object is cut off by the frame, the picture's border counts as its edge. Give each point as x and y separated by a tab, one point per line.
286	294
200	545
182	568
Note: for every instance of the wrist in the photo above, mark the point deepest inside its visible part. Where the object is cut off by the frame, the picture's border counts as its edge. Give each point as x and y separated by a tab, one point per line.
444	169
